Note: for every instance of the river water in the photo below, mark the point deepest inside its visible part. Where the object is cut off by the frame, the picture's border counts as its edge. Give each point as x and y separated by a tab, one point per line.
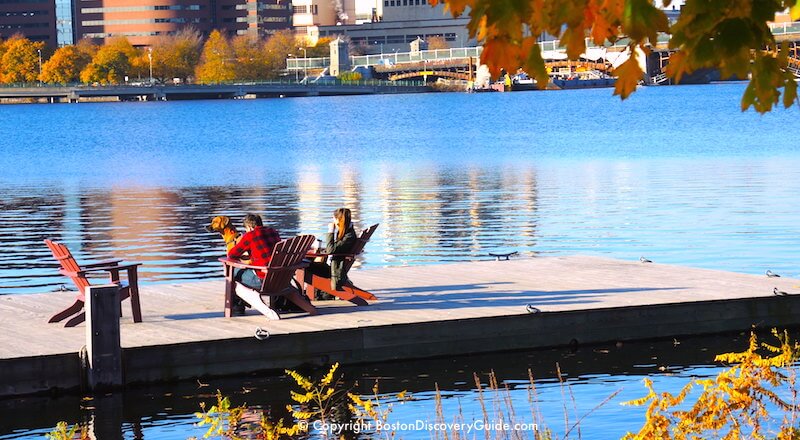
676	174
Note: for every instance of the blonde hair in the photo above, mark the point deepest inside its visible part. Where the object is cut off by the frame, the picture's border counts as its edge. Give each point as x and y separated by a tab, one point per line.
342	216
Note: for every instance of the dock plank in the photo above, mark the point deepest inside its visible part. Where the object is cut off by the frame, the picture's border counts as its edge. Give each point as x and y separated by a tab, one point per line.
418	306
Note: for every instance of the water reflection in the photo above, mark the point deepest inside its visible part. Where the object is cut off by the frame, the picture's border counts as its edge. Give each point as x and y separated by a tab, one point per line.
692	212
593	372
425	215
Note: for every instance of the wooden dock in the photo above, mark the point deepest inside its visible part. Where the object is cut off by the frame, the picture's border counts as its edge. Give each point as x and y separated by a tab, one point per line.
423	311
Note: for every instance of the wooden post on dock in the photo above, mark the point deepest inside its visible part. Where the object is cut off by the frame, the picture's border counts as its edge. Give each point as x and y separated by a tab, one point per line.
104	353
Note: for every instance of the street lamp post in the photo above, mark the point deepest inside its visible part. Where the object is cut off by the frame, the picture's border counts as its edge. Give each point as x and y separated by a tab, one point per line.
305	63
39	51
150	58
296	79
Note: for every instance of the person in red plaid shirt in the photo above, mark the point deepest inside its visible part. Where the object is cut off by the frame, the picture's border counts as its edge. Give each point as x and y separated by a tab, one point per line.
258	241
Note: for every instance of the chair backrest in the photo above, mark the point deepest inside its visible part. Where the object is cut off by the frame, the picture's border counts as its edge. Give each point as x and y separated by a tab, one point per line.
358	247
68	263
286	253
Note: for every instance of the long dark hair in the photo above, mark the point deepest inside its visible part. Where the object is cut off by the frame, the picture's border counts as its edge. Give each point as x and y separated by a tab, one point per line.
342	216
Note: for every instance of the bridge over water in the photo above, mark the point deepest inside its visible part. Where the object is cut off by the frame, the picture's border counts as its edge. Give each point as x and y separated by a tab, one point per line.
263	89
455	62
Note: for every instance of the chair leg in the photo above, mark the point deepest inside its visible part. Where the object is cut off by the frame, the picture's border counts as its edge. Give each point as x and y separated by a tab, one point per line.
136	306
254	299
298	300
359	292
347	294
76	307
299	277
77	319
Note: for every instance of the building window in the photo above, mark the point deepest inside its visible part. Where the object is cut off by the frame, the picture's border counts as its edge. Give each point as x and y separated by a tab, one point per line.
299	9
314	9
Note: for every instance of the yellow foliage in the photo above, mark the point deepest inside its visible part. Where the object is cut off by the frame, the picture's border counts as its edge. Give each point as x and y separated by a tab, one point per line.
19	60
216	63
63	431
221	418
329	377
730	405
320	397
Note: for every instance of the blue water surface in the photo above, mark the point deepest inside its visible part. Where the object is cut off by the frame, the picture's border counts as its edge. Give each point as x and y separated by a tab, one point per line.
677	174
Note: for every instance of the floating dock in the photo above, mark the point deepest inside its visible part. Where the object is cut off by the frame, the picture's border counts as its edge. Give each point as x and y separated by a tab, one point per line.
422	311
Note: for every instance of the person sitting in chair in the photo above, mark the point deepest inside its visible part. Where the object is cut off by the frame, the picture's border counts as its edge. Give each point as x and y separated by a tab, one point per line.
258	241
339	240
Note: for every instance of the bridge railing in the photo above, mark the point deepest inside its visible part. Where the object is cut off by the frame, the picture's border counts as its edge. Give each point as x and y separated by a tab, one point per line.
466	52
791	27
387	58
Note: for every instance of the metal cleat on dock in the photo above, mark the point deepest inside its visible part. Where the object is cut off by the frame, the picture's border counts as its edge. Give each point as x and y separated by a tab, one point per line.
262	334
503	257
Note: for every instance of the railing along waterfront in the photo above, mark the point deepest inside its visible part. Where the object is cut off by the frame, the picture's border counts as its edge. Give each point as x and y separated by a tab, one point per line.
466	52
322	83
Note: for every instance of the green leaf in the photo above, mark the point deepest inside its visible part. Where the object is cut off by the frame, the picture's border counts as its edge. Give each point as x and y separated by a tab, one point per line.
643	20
789	91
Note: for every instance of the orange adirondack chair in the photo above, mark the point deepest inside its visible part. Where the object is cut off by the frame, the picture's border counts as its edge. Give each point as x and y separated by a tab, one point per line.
70	268
349	291
287	257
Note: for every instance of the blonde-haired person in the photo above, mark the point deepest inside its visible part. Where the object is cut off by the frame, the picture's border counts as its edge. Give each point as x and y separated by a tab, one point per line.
340	239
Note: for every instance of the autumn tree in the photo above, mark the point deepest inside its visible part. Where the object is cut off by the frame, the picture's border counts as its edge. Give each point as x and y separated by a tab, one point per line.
321	49
251	59
277	48
733	36
177	56
216	63
112	63
65	65
19	60
437	42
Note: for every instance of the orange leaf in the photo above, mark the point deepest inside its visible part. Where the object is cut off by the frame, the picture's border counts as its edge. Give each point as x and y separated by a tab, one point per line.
628	76
678	65
500	53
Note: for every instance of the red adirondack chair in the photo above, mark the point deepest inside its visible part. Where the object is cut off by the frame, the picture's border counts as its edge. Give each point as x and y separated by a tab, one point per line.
349	291
287	257
70	268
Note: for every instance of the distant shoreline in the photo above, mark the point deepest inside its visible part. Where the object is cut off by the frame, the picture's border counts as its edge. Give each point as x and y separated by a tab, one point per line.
255	90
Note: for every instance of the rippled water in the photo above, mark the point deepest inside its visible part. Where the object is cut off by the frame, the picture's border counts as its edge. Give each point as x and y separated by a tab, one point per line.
591	375
676	173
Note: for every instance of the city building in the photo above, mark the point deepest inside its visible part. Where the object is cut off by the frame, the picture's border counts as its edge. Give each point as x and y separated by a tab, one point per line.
144	21
308	15
35	19
396	23
265	17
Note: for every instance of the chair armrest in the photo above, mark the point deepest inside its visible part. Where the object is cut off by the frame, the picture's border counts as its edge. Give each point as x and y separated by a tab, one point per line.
345	256
240	265
83	272
113	262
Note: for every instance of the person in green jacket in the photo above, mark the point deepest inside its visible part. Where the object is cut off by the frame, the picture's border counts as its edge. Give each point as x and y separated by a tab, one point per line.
339	240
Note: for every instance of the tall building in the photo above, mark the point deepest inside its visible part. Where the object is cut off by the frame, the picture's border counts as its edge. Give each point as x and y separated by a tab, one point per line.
144	21
396	23
265	17
34	19
308	15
